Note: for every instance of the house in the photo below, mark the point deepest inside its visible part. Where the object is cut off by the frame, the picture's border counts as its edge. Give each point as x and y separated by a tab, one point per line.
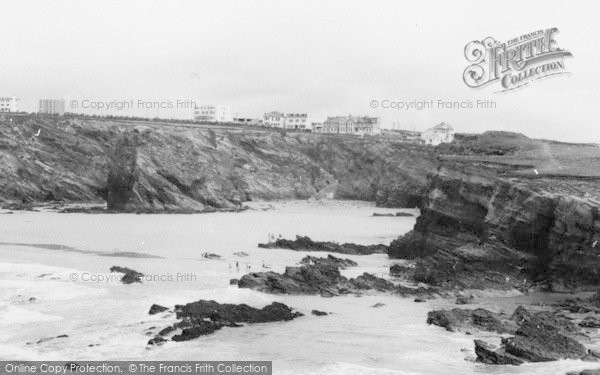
212	114
298	121
248	121
9	104
274	119
52	106
351	125
441	133
317	127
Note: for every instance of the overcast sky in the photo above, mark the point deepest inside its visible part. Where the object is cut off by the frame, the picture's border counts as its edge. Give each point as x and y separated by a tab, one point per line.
320	57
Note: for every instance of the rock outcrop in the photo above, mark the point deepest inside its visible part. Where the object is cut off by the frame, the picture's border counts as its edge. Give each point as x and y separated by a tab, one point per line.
478	229
536	336
330	260
304	243
322	277
123	177
156	309
205	317
465	320
129	276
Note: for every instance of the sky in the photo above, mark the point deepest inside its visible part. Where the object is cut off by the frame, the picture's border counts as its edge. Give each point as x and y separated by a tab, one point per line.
318	57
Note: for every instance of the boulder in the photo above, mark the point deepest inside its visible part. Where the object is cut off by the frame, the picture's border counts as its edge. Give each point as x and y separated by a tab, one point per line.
464	319
536	341
491	355
155	309
130	276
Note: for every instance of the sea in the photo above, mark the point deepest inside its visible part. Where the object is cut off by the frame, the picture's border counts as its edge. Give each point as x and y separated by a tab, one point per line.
59	300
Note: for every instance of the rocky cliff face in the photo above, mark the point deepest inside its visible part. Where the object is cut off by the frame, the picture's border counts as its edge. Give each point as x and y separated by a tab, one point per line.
479	228
123	176
168	166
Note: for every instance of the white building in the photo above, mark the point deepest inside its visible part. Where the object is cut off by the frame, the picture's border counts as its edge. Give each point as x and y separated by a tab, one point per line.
9	104
441	133
359	125
274	119
52	106
298	121
213	113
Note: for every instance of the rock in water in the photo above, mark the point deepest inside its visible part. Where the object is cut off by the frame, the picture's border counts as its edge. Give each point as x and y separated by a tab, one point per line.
317	276
303	243
155	309
536	341
330	260
463	319
487	353
318	313
205	317
130	276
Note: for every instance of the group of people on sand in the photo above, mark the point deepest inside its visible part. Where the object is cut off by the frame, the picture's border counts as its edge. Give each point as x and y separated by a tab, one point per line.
271	237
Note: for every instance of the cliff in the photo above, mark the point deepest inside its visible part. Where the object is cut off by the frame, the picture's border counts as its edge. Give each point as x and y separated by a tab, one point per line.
156	166
483	226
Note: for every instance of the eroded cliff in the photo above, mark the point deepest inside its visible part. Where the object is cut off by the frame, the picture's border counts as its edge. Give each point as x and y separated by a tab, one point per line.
140	165
483	227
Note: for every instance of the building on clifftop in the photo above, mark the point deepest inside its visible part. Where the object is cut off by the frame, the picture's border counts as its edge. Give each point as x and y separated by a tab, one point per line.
441	133
351	125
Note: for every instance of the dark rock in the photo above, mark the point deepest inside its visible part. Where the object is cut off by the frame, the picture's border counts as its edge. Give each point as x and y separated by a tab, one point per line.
123	177
462	300
205	317
590	322
155	309
377	214
461	319
368	281
489	354
400	270
303	243
330	260
479	229
233	282
404	214
540	337
130	276
211	256
536	341
157	340
322	276
420	300
318	313
585	372
199	328
235	313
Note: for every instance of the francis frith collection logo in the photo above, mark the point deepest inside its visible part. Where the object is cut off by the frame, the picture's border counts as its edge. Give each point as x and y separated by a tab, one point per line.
515	63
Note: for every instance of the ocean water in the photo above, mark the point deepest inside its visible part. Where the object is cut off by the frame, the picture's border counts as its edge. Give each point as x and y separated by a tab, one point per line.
55	280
